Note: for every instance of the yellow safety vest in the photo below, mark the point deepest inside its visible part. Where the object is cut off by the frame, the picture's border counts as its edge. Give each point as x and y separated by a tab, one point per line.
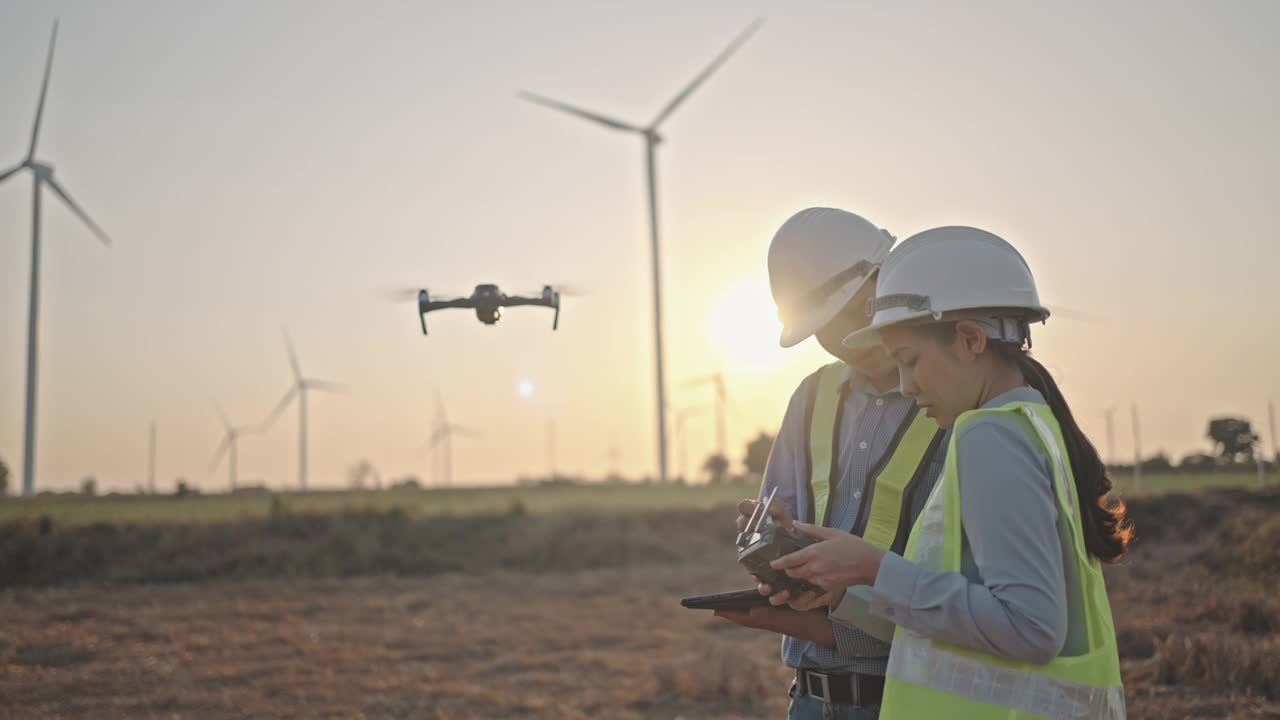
901	469
928	679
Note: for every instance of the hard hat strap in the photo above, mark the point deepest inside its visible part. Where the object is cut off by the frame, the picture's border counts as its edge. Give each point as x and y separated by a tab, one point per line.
819	295
910	301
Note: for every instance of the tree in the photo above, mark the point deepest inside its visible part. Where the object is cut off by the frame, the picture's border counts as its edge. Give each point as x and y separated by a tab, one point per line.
361	473
1234	438
4	478
717	467
1198	462
757	456
1158	463
89	486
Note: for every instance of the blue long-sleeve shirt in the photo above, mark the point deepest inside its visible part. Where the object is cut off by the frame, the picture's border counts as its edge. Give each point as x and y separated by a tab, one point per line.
868	421
1017	594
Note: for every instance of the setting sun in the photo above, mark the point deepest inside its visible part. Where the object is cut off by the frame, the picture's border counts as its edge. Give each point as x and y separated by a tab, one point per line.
745	328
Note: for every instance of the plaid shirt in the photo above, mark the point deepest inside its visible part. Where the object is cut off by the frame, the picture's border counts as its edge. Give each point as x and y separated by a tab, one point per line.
869	420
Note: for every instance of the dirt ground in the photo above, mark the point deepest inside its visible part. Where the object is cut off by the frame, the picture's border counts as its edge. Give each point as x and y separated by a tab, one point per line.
1197	615
600	644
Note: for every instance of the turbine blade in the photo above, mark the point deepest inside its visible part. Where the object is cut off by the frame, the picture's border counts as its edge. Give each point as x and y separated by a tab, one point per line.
222	449
585	114
44	89
324	385
5	175
84	216
222	414
702	77
293	356
279	408
443	418
463	431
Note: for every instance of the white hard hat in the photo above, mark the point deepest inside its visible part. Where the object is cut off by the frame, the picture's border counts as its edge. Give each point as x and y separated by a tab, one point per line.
818	260
956	272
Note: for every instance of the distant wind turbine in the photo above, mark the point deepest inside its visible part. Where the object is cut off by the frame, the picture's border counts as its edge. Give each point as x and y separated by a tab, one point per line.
299	390
229	446
442	434
43	176
1137	447
651	140
716	379
682	442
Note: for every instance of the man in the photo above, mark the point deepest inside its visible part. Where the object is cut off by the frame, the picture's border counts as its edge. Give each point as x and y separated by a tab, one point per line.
853	453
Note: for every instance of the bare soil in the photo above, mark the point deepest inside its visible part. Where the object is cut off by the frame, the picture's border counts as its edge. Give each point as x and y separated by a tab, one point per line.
1195	603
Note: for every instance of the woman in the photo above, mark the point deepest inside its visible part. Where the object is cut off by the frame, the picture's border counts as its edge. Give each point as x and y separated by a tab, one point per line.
999	602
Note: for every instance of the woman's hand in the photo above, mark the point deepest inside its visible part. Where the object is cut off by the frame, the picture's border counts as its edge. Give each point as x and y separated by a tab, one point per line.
841	559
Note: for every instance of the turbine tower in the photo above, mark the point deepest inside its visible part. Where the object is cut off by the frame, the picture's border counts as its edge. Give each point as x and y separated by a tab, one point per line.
42	176
229	447
1137	447
651	140
299	390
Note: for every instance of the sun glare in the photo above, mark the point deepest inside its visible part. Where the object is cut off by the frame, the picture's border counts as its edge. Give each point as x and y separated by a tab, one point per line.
744	324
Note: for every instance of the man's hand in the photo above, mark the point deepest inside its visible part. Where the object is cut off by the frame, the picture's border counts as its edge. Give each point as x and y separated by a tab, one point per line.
745	508
777	510
811	626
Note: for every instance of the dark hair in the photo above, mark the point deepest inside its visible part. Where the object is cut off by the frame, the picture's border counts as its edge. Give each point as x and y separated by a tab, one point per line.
1107	529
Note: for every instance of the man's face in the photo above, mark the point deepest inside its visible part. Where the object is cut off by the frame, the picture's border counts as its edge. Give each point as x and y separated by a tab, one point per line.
873	361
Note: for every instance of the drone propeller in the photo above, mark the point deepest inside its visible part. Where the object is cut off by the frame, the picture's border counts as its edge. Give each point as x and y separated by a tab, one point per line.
406	294
399	294
561	290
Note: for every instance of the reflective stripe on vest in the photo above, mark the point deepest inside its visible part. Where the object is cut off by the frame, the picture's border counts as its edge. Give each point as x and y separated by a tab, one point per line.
934	679
908	456
824	423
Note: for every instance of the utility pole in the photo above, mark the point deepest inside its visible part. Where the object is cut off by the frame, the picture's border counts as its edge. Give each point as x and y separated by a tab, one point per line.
1137	448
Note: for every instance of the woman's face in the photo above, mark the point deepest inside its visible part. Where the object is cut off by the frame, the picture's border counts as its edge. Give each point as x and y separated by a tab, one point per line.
944	377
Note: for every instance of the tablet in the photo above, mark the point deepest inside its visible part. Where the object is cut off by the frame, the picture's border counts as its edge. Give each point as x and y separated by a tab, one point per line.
736	600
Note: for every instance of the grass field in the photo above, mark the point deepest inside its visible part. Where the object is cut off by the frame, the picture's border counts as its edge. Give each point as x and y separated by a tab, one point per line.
77	510
547	616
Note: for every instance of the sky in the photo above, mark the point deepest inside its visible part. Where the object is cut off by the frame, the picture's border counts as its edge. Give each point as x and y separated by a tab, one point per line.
269	164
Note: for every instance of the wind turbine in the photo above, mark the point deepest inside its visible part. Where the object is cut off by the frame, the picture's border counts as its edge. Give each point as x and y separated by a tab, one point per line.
1137	447
42	176
443	434
651	140
682	443
299	390
228	446
1271	425
1111	435
151	460
722	396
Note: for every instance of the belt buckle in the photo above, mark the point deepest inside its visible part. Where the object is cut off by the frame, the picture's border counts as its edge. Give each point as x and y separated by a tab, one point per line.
825	681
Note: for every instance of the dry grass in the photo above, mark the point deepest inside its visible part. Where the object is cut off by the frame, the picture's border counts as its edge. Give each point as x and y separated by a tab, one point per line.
556	617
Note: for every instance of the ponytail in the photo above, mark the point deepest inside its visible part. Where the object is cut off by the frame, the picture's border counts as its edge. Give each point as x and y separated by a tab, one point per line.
1107	529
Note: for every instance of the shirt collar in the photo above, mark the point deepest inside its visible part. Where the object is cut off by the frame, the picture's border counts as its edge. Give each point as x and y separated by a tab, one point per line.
860	384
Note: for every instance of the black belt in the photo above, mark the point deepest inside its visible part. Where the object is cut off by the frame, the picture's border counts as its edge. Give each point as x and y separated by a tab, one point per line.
841	688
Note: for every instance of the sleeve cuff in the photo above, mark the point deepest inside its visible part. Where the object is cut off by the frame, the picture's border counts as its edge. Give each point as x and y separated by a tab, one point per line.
894	587
846	638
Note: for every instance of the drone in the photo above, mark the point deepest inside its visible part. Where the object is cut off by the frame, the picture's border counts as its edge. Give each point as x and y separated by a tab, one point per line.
488	301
